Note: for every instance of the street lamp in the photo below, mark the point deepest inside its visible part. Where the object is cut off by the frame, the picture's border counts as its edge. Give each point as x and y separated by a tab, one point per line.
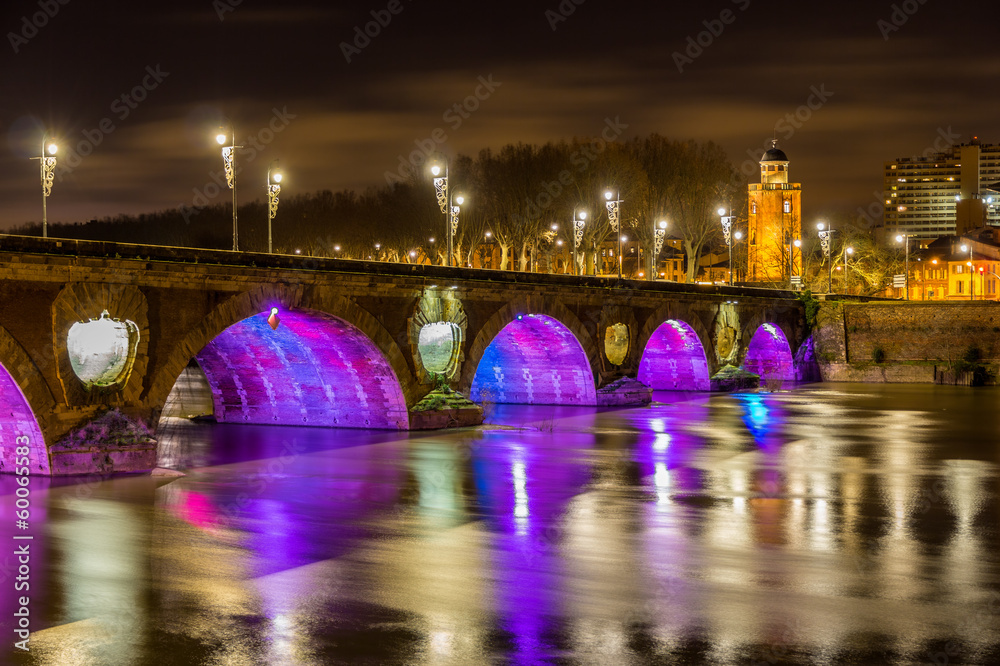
444	200
614	208
273	190
229	161
972	282
792	244
659	233
905	239
47	162
737	236
579	222
727	224
824	238
848	251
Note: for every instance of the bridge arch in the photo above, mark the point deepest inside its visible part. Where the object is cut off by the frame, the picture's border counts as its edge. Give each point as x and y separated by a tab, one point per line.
674	359
325	350
533	351
24	397
769	354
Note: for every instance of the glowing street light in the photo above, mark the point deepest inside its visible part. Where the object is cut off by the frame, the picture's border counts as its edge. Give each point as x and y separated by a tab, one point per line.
229	161
905	239
659	233
444	200
727	224
972	281
47	161
848	251
613	203
825	235
792	244
579	222
273	190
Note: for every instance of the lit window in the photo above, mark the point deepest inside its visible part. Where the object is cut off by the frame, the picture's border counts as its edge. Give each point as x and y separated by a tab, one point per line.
788	206
753	208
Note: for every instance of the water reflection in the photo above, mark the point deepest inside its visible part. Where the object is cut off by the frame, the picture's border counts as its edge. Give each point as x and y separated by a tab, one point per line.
821	525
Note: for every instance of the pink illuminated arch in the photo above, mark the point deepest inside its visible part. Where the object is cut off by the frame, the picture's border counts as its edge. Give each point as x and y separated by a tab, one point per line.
769	354
18	427
534	360
313	369
674	359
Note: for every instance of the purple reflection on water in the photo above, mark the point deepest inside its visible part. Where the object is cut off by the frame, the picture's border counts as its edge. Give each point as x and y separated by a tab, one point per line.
524	487
535	360
674	360
314	369
668	446
270	506
14	583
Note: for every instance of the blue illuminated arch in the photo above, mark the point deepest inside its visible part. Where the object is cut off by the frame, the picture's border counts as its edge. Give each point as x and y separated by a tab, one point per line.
534	360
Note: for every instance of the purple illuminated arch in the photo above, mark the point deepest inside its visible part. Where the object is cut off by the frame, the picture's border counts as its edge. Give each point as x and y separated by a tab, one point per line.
535	360
17	421
314	369
769	355
674	359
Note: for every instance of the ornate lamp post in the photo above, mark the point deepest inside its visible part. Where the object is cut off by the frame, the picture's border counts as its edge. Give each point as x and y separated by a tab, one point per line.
273	190
614	208
229	161
450	211
659	233
824	238
579	222
727	224
47	162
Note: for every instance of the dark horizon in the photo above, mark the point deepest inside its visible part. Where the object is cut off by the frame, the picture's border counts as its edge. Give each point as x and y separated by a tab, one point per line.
880	88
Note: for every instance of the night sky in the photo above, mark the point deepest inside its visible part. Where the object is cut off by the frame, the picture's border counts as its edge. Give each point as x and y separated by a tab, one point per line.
884	97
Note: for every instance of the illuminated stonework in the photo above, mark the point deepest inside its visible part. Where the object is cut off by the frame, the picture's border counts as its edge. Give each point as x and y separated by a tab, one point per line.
769	355
100	338
437	333
314	369
438	346
535	360
101	351
18	428
727	335
674	360
616	341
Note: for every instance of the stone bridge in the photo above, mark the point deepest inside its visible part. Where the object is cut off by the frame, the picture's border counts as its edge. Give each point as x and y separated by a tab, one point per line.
88	326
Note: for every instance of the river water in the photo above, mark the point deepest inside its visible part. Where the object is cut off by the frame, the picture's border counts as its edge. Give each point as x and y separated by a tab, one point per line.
828	524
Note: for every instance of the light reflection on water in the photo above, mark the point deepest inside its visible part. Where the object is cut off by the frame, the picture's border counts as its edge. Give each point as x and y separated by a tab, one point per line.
824	525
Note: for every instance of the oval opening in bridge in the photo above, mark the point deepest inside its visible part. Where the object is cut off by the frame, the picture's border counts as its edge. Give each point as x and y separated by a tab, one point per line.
534	360
19	429
101	351
769	355
674	359
616	341
438	346
314	369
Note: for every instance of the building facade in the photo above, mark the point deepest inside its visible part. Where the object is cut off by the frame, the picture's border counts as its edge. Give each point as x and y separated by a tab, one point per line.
775	222
947	193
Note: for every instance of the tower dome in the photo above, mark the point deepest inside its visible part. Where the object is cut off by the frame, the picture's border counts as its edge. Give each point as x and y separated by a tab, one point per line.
774	165
774	154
